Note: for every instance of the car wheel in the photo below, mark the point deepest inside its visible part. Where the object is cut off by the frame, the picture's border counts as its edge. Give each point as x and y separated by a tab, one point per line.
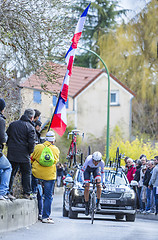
72	214
119	217
65	212
130	218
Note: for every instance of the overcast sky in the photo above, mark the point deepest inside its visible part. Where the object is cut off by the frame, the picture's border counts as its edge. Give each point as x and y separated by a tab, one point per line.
135	5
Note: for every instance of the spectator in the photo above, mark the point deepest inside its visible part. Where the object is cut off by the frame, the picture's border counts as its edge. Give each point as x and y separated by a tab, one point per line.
47	175
34	183
142	156
143	191
126	168
140	183
37	115
131	170
137	178
38	129
65	169
149	191
5	166
59	174
21	142
138	165
154	182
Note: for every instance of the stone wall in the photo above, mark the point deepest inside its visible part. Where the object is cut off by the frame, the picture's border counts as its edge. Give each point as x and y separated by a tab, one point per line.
17	214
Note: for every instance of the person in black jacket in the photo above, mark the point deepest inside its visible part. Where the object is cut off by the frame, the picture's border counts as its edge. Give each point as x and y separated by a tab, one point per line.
59	173
37	115
137	178
21	142
149	191
138	165
38	129
5	166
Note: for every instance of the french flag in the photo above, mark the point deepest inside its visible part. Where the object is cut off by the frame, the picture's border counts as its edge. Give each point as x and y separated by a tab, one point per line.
77	35
59	120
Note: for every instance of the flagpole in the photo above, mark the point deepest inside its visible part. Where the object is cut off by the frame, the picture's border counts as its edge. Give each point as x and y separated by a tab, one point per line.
108	105
54	111
59	116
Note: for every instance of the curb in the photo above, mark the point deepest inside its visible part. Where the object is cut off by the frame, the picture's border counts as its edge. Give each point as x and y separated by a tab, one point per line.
59	190
18	214
150	216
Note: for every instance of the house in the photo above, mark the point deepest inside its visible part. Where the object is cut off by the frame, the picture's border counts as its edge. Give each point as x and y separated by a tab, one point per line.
87	100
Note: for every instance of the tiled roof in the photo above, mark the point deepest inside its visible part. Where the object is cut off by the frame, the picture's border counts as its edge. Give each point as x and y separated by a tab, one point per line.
79	80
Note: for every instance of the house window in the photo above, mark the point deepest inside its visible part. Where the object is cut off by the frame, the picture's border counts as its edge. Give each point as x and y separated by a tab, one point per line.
114	98
67	103
37	96
54	100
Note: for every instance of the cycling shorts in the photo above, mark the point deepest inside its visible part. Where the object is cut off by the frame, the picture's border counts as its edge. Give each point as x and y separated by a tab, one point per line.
95	171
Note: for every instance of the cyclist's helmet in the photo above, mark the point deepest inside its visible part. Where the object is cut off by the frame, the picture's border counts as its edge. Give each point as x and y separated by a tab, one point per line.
97	156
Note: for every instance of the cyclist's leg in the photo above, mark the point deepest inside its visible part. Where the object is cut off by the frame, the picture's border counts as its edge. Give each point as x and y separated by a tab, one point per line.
87	183
86	191
97	177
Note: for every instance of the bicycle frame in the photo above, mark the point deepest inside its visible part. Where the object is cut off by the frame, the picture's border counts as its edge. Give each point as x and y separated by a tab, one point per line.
71	156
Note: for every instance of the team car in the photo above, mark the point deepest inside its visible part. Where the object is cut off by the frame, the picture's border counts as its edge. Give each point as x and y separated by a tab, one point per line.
118	198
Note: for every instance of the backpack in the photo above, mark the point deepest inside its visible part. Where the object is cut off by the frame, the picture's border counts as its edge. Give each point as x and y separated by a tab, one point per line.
47	157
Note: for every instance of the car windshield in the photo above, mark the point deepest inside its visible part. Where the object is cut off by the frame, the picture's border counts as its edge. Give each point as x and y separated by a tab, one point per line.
111	177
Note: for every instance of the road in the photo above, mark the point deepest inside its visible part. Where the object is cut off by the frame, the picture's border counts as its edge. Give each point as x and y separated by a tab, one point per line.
76	229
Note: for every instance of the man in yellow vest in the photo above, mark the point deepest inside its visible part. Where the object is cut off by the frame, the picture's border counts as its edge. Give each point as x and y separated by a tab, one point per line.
46	174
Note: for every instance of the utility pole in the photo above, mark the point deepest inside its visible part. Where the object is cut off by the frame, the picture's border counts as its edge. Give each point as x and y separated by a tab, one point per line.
108	104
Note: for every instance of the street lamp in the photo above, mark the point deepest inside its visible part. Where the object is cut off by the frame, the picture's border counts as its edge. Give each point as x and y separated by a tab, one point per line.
108	105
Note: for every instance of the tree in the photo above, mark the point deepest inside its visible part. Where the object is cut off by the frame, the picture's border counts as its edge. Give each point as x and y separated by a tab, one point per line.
100	18
30	33
131	54
10	92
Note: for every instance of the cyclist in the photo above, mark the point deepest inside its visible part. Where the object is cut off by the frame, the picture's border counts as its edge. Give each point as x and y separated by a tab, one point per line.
92	164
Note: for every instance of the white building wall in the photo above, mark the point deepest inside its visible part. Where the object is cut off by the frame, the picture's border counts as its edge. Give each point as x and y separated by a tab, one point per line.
88	111
92	108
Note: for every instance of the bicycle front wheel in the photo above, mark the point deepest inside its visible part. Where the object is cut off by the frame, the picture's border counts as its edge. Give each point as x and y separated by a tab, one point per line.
93	207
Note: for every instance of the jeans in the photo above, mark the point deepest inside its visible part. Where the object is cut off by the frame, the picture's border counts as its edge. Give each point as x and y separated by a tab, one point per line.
150	200
37	188
48	198
141	207
5	173
34	184
25	169
156	198
40	199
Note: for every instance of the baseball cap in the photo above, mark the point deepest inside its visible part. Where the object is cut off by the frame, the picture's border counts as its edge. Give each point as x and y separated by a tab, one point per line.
50	136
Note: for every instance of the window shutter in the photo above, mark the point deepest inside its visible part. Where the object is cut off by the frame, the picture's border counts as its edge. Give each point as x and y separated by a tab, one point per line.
37	96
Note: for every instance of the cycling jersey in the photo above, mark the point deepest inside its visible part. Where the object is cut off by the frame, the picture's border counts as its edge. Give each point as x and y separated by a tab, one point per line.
89	166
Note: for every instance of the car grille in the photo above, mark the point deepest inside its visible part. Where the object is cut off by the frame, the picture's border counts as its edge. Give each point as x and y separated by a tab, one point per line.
111	195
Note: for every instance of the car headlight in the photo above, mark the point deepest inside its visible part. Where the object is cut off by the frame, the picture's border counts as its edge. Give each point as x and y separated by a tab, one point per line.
129	195
78	192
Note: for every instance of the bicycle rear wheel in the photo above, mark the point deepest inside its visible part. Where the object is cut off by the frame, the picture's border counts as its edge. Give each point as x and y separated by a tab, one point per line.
74	155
